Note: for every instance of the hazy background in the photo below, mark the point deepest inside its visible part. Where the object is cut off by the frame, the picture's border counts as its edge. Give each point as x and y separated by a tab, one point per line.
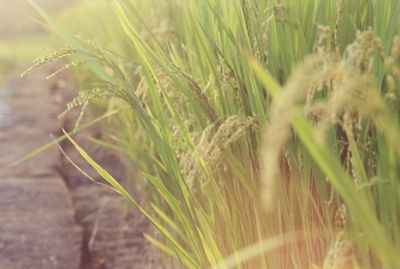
13	16
21	38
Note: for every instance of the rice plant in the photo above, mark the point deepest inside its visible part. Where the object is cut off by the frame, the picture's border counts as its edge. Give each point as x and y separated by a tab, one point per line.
267	131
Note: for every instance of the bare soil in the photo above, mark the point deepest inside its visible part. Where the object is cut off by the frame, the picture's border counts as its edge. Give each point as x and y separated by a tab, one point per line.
37	220
51	216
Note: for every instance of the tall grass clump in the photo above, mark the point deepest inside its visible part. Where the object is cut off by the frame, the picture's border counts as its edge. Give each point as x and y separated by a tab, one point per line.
267	131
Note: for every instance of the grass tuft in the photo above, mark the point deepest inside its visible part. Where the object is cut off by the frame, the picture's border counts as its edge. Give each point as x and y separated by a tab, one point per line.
251	121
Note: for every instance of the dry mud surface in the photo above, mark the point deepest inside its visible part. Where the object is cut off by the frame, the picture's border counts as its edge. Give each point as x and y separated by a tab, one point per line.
51	216
37	220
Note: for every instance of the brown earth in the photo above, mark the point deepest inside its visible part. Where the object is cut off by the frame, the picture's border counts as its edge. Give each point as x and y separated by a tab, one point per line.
51	216
37	221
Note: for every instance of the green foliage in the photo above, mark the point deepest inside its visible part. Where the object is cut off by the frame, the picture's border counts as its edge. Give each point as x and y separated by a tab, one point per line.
267	130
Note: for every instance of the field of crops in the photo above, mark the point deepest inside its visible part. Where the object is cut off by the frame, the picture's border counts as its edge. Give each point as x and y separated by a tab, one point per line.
266	131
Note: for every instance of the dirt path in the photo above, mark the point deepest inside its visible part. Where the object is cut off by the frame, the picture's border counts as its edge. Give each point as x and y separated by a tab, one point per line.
37	220
114	229
51	216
